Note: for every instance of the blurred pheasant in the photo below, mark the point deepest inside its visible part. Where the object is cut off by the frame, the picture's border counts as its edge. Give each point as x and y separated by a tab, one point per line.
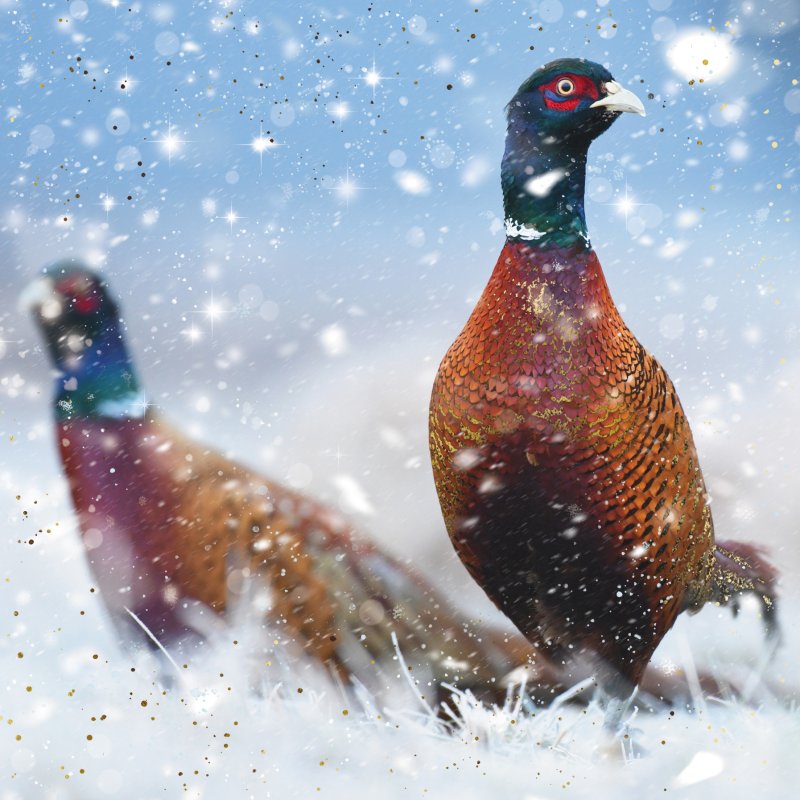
565	467
168	523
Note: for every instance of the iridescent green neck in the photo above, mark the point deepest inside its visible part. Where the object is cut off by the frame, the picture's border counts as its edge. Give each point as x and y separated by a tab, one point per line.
543	187
99	382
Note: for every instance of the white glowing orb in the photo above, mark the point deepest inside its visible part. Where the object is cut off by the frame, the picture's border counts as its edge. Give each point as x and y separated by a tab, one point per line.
333	339
192	334
697	54
209	206
738	150
412	182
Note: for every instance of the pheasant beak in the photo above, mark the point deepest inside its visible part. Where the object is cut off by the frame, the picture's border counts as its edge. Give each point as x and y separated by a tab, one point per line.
619	99
39	297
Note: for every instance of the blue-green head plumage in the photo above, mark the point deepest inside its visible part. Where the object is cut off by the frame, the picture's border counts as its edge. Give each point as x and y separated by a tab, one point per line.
552	119
84	335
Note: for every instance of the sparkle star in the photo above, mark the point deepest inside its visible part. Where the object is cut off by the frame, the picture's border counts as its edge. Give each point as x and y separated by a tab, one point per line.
192	333
231	217
126	83
107	202
347	188
260	145
4	345
340	110
142	405
339	456
626	205
213	311
373	78
171	143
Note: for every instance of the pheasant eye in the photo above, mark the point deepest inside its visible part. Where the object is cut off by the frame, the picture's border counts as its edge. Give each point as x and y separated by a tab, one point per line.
565	87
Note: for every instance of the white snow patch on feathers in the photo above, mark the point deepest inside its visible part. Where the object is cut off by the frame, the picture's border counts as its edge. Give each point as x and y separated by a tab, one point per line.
542	185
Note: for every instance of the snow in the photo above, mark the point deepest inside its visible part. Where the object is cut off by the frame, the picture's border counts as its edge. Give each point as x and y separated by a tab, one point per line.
516	230
333	340
297	213
542	185
412	182
243	722
696	53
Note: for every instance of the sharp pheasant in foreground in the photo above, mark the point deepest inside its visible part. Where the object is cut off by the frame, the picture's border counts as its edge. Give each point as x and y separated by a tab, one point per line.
564	464
171	527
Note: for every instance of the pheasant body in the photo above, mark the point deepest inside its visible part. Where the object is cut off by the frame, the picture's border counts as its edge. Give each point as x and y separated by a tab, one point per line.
172	528
565	467
564	463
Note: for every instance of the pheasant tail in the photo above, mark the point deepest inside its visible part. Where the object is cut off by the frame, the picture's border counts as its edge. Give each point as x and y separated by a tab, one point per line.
740	569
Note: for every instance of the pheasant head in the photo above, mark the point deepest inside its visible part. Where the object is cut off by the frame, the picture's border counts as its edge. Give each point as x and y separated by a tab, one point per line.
81	326
552	119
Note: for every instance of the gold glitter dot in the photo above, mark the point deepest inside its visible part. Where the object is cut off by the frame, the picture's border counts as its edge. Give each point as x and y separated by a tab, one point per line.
773	145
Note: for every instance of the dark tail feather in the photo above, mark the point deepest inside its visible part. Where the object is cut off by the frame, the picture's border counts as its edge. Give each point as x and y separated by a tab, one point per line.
739	569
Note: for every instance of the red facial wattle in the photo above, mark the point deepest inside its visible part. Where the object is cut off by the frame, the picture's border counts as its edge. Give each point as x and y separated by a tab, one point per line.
82	298
86	304
556	98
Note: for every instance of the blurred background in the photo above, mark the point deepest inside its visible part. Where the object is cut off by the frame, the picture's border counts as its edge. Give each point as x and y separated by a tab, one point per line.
298	205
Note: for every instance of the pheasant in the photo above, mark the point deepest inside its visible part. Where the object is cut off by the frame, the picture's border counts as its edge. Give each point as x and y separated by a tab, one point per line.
564	464
170	526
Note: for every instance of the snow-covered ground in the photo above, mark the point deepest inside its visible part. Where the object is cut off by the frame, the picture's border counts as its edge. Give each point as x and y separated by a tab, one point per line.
82	719
81	723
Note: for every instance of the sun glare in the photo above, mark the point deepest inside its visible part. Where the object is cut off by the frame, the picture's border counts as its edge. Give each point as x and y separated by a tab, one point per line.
701	55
